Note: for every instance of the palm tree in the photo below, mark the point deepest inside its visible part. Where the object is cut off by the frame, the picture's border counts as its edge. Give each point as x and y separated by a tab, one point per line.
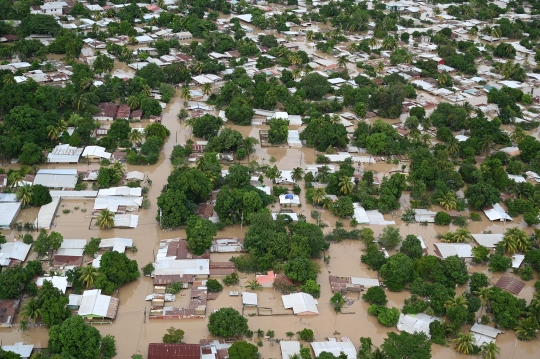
133	102
526	329
208	88
31	309
486	143
443	79
519	237
518	134
79	102
323	174
119	169
8	79
309	35
135	136
146	90
490	350
248	144
473	31
464	343
408	216
380	67
342	61
448	201
496	32
185	93
24	194
458	301
509	244
462	235
200	162
297	174
14	178
319	195
483	294
453	146
389	43
88	275
52	132
296	73
345	185
105	219
352	47
372	43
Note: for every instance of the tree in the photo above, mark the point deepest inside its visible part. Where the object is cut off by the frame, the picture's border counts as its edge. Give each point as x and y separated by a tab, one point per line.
213	286
315	86
477	282
135	136
74	338
52	305
206	126
345	185
311	287
248	145
227	322
375	295
279	131
173	335
297	174
442	219
105	219
526	329
406	346
31	154
41	195
200	233
337	301
412	247
390	237
490	350
115	269
464	343
243	350
24	194
515	240
88	275
397	272
301	269
448	200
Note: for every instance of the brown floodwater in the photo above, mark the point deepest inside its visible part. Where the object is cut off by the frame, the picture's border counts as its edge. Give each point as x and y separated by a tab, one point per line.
133	332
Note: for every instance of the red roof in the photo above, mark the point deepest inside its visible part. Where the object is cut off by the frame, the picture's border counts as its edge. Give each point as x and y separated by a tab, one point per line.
268	278
174	351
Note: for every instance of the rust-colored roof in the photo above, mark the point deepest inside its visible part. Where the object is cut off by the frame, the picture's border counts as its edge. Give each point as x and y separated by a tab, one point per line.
511	284
107	109
206	210
136	113
174	351
7	310
171	278
113	308
265	278
60	260
123	111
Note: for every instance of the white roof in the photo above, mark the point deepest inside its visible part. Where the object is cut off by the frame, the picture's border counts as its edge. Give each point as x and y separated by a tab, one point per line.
24	350
293	216
360	214
244	17
182	266
497	213
339	157
265	189
485	330
73	252
94	303
282	115
301	303
517	259
462	250
8	197
334	347
415	323
366	282
120	191
96	151
286	176
46	213
249	298
135	175
113	202
294	200
112	242
126	220
8	212
488	240
293	138
73	244
14	250
376	217
289	348
517	178
423	215
64	154
52	178
57	282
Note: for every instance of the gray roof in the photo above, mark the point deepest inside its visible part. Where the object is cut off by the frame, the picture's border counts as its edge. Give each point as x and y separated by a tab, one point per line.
56	178
8	212
289	348
24	350
14	250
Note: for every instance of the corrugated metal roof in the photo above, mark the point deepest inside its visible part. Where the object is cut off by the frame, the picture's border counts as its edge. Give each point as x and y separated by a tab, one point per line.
120	191
173	351
46	214
511	284
14	250
71	252
94	303
182	266
111	242
289	348
8	212
485	330
415	323
249	299
24	350
58	282
462	250
335	348
73	243
301	303
366	282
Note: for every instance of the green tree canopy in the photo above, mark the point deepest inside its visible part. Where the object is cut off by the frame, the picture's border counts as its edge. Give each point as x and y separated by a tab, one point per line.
227	322
76	339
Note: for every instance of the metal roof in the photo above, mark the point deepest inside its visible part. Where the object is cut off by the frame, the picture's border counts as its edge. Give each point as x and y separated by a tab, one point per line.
58	282
135	175
120	191
14	250
301	303
73	244
113	202
46	214
96	151
462	250
335	347
485	330
24	350
289	348
174	351
8	212
58	179
94	303
64	154
249	299
111	242
415	323
488	240
182	266
517	259
366	282
497	213
511	284
126	221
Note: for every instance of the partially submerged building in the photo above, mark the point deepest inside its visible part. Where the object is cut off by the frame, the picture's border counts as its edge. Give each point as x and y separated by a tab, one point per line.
12	253
484	334
56	178
8	213
301	303
335	346
416	323
96	307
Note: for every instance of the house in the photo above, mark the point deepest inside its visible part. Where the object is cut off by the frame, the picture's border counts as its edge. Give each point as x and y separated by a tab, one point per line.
96	153
136	115
510	284
117	204
135	176
200	268
249	299
497	213
462	250
126	221
70	253
416	323
484	334
123	111
289	348
489	240
184	35
107	112
301	303
95	305
335	346
174	351
116	244
56	178
289	199
123	191
64	154
266	280
50	8
351	284
8	213
13	252
8	308
60	283
24	350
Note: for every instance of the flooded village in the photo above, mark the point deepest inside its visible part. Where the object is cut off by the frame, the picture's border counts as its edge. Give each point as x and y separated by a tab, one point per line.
153	152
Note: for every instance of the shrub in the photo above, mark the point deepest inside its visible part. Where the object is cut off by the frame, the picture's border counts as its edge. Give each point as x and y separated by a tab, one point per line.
175	287
148	269
460	221
375	295
527	273
311	287
442	219
475	217
213	286
306	335
388	317
231	279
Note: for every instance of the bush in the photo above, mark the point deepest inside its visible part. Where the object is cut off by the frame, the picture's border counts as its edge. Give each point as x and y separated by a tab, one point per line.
527	273
460	221
231	279
390	237
306	335
414	305
213	286
499	263
148	269
175	287
442	219
475	217
388	317
375	295
311	287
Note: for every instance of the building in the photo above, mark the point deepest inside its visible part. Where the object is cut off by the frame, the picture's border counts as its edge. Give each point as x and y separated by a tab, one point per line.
64	154
126	221
462	250
301	303
200	268
116	244
56	178
24	350
416	323
8	213
289	348
8	308
174	351
123	111
96	306
96	153
249	299
121	191
335	346
484	334
117	204
266	280
60	283
49	8
13	253
70	253
488	240
107	112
